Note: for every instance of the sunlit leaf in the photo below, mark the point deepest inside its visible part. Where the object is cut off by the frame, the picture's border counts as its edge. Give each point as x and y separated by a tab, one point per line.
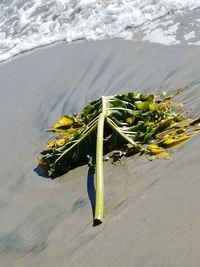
57	143
64	123
130	120
172	141
128	123
158	152
155	149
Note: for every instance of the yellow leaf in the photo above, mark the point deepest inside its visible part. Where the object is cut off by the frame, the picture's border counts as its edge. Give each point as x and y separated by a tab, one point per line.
172	141
57	143
153	107
51	144
130	120
158	152
155	149
65	122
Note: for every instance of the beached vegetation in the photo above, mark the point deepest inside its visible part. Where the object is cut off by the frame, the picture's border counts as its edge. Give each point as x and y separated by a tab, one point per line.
125	124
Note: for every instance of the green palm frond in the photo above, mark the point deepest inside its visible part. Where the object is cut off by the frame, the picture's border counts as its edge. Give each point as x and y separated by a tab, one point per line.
132	123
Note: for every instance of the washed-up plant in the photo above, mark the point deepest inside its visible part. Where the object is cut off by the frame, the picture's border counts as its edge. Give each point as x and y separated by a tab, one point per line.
124	124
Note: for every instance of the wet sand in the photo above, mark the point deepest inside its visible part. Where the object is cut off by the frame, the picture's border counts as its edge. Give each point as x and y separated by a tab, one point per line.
151	207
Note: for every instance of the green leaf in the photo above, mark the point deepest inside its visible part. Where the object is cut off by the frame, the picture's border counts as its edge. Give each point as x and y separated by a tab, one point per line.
131	123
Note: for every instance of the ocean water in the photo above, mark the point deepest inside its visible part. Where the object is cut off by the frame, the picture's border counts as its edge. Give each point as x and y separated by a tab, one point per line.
25	25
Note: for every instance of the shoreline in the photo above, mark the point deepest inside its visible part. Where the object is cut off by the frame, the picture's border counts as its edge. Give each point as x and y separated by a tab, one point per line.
82	41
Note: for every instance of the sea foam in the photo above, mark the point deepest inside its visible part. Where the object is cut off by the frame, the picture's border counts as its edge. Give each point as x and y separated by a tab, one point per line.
28	24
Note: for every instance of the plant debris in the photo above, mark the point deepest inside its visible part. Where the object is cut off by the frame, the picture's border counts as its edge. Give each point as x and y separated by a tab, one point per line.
124	124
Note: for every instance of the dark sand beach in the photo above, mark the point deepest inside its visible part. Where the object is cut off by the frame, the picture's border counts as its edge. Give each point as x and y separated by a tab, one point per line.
151	207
